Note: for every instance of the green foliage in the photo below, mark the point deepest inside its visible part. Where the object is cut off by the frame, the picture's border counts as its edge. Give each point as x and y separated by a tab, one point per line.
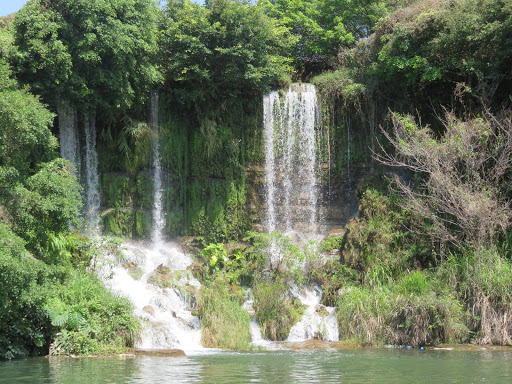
400	314
431	41
275	311
48	203
331	243
381	242
90	318
483	279
225	50
224	323
89	53
25	329
322	27
25	137
215	256
339	84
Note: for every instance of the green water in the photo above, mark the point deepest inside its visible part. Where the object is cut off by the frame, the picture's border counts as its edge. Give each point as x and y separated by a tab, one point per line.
337	366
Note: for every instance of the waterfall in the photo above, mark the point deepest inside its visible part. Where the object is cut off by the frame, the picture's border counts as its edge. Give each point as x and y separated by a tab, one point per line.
160	284
290	159
69	144
158	216
92	193
271	111
318	322
70	149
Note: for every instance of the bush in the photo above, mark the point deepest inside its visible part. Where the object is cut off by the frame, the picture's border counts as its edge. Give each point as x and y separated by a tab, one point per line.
25	328
275	312
224	323
91	319
406	313
483	279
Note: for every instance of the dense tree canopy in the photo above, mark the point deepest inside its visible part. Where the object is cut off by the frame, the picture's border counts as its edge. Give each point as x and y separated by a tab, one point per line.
224	50
93	53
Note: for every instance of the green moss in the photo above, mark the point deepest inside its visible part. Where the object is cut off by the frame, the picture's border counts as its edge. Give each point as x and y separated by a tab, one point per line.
143	224
119	222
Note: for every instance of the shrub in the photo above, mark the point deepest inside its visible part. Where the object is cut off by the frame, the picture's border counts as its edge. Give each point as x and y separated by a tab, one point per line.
224	323
275	312
91	319
483	279
408	312
25	328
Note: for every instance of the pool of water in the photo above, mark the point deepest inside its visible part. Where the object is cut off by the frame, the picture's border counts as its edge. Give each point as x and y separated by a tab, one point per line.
302	366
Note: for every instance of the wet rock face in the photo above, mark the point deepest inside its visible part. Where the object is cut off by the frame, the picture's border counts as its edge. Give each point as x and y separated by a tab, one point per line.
322	311
337	204
149	309
162	277
133	269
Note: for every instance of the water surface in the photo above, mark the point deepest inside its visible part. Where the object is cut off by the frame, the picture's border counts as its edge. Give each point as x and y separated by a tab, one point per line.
331	366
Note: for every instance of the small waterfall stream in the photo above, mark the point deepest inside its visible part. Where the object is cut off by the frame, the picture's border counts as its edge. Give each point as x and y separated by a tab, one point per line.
318	322
163	291
156	277
84	158
92	192
68	135
158	216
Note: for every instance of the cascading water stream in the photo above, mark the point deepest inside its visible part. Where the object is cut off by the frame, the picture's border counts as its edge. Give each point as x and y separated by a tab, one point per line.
318	321
157	278
291	191
290	160
85	162
92	193
68	135
158	216
162	289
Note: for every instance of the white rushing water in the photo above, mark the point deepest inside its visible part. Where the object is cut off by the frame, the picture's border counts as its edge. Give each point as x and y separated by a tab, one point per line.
291	184
291	123
92	192
156	280
318	322
158	215
68	135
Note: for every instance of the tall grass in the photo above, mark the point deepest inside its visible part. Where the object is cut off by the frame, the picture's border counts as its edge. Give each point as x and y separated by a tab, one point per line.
224	323
405	312
483	279
275	312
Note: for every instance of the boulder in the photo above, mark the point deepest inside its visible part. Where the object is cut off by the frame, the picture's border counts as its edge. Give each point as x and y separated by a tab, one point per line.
149	309
160	352
335	233
321	310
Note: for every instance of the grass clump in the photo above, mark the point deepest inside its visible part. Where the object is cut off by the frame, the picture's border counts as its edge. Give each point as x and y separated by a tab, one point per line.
483	279
224	323
405	313
275	311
